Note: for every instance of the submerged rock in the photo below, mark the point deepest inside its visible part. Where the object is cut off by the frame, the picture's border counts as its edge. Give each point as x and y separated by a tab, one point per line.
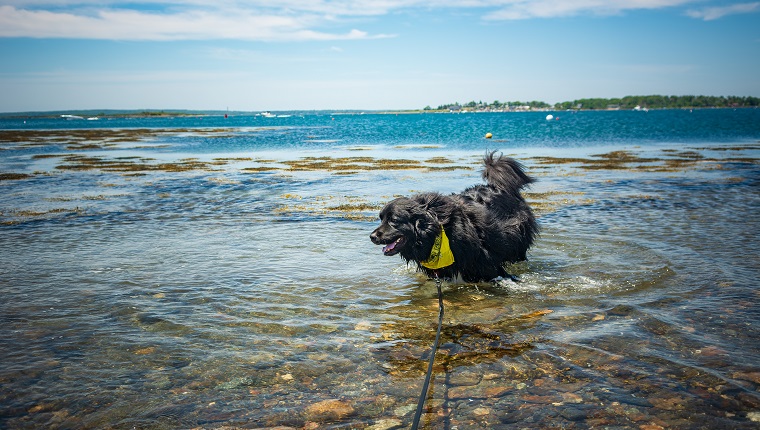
480	391
329	410
459	378
747	376
573	414
385	424
481	411
404	410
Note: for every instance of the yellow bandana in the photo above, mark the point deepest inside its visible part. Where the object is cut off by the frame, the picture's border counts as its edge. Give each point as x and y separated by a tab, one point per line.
440	255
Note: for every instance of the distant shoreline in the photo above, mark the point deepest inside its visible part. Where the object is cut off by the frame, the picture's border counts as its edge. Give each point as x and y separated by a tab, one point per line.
105	114
464	111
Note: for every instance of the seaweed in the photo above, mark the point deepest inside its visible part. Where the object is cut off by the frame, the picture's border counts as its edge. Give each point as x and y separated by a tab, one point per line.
674	160
13	176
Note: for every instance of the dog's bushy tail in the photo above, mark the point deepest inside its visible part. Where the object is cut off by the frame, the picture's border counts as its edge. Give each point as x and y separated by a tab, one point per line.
505	173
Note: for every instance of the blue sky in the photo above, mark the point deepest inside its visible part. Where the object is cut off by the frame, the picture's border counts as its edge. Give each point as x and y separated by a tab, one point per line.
368	54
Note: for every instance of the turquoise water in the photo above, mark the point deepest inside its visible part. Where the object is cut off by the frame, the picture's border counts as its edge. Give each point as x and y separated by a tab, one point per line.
242	289
455	131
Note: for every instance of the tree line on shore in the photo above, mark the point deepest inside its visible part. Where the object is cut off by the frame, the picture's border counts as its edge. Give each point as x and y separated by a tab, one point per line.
627	102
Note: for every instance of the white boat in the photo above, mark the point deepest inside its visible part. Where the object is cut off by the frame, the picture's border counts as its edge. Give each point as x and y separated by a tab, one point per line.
268	115
66	116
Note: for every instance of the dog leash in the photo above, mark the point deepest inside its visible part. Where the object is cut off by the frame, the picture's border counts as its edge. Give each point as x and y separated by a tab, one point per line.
423	395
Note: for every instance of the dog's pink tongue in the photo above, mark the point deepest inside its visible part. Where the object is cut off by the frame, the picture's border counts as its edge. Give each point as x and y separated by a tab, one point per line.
389	247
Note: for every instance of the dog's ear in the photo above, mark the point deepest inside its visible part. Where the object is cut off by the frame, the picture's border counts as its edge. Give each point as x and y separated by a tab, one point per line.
424	221
420	225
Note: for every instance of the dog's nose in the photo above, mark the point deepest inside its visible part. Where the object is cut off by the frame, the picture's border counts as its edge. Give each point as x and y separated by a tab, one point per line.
375	236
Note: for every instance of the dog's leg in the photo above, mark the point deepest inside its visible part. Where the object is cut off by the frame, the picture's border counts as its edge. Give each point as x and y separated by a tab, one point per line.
504	275
514	278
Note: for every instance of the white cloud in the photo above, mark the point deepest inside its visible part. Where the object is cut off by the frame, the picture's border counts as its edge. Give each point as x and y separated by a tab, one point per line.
284	20
525	9
713	13
191	24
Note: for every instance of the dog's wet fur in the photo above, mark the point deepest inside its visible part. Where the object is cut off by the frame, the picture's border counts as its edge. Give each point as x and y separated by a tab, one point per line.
487	225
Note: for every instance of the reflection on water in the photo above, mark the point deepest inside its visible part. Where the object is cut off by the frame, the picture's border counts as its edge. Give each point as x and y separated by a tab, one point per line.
206	299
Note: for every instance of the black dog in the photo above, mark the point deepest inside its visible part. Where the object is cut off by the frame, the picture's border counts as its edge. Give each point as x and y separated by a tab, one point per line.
486	225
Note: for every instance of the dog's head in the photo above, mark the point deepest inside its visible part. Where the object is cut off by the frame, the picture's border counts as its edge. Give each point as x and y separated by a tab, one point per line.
406	227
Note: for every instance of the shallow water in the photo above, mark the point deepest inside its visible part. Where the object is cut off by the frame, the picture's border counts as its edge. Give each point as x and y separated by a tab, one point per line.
219	296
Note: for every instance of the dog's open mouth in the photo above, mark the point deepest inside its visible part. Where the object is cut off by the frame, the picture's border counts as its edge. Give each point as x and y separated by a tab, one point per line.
394	247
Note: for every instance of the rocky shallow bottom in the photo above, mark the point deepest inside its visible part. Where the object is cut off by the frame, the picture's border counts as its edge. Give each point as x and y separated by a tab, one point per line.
243	292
